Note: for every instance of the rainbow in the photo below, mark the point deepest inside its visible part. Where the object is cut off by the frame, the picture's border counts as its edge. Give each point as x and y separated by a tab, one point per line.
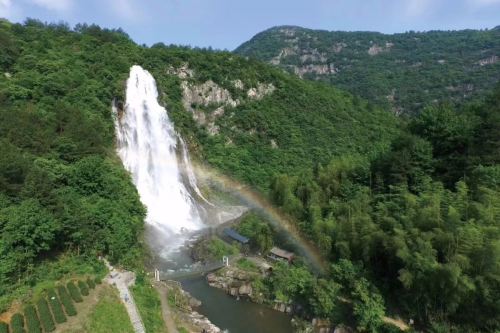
257	201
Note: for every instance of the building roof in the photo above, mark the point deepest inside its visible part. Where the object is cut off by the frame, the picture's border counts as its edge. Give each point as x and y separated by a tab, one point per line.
282	253
236	236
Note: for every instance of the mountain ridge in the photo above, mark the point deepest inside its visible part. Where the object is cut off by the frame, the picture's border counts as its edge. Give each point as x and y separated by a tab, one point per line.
456	65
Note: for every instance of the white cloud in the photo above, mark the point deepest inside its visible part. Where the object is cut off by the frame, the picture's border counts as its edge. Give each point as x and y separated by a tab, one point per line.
416	8
126	9
5	8
57	5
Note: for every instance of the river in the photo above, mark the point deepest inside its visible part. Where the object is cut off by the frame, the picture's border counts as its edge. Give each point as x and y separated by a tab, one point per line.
236	316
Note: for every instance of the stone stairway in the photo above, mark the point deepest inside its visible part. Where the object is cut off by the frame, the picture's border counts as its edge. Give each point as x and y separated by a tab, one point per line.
122	280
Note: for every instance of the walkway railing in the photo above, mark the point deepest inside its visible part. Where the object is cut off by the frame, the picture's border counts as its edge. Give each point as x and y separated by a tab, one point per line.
196	269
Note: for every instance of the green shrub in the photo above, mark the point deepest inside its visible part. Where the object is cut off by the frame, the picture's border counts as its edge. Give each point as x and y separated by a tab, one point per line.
17	323
32	321
84	289
74	292
56	307
97	280
66	301
247	265
4	328
45	316
91	283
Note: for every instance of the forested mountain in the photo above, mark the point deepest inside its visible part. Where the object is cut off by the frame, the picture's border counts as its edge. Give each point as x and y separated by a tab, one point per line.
62	188
407	213
403	72
421	221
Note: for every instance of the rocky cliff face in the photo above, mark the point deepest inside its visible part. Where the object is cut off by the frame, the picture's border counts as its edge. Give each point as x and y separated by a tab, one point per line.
208	101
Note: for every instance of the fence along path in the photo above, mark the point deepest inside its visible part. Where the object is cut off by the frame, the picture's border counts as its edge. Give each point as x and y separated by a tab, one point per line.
197	269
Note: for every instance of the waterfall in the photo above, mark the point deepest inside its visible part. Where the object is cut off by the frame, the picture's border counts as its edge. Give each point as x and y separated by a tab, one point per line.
190	173
147	146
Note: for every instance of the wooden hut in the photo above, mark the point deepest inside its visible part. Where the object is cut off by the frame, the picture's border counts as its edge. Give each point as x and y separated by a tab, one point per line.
279	254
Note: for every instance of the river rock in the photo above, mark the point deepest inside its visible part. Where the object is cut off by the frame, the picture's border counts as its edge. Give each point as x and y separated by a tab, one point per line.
322	325
203	323
211	278
245	289
194	303
302	326
233	292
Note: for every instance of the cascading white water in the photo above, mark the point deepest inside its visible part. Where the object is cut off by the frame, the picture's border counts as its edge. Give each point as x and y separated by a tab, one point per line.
147	147
190	173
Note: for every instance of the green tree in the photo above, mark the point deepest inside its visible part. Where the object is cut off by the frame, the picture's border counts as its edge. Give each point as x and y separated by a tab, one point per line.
323	297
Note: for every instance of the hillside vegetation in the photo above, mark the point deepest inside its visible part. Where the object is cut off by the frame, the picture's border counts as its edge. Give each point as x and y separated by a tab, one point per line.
62	188
403	72
419	225
407	213
288	126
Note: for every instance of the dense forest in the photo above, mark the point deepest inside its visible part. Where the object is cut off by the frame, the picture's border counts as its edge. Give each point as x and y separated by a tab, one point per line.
407	213
421	221
403	72
63	191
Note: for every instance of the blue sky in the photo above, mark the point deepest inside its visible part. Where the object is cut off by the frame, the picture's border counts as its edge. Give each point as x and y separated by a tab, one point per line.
224	24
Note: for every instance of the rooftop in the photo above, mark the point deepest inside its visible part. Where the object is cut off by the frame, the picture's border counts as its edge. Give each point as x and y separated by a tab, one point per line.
235	235
282	253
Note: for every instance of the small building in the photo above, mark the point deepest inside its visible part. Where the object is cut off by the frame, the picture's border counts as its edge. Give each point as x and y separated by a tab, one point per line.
231	233
279	254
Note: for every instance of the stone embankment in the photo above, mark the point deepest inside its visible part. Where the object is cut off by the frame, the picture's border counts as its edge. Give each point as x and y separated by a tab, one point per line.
183	309
233	280
238	283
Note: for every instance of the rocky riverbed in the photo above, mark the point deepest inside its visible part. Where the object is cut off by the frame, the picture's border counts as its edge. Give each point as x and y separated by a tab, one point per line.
238	283
185	313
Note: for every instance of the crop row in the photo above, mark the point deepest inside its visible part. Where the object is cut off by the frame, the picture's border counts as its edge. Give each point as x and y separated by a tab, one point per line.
84	289
47	316
74	292
66	301
17	323
4	328
55	305
32	321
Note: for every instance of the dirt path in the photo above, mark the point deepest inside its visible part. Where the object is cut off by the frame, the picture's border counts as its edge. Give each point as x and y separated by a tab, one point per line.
76	324
122	280
165	308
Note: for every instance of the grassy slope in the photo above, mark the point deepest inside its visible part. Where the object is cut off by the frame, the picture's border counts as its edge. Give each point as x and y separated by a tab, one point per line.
148	301
109	315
